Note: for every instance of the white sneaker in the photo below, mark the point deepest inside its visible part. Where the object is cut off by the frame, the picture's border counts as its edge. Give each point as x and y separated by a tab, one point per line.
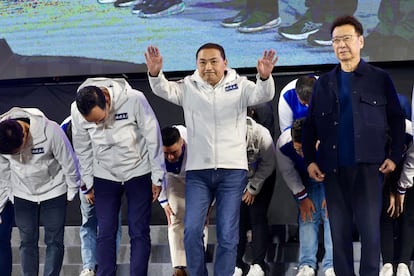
255	270
386	270
402	270
106	1
306	271
330	272
87	272
238	271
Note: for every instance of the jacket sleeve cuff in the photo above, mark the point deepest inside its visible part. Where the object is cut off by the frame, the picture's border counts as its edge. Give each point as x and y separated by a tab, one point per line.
302	195
252	189
401	190
84	189
163	202
157	181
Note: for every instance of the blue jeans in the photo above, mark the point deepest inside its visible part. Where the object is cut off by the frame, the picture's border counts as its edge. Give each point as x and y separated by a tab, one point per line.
7	217
308	230
28	215
202	186
108	196
88	233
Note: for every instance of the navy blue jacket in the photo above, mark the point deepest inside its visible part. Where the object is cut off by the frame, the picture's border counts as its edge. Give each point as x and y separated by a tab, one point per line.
377	116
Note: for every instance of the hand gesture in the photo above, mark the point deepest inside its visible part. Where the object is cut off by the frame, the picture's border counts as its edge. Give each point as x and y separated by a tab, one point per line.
400	202
153	59
90	196
315	173
306	208
248	198
168	213
387	166
155	192
396	206
266	64
392	208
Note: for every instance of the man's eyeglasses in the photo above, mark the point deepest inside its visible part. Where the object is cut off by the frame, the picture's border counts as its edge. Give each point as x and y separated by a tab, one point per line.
345	38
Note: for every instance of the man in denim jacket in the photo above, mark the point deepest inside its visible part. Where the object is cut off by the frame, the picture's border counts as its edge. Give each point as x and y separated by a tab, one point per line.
353	110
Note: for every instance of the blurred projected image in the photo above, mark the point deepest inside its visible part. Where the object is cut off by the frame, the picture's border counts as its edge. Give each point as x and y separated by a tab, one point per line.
90	37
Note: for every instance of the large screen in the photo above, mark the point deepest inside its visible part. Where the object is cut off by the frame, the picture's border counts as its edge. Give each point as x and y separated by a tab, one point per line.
85	37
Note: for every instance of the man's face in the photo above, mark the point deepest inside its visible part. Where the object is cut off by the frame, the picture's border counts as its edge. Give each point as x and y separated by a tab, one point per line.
305	103
25	128
173	152
347	44
211	65
98	115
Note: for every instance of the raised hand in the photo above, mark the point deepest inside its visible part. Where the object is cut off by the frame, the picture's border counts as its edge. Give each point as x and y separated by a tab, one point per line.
153	59
266	64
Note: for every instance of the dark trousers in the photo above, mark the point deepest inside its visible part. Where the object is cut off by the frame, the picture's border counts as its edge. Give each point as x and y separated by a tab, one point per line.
254	217
407	229
28	214
397	239
354	195
108	196
390	232
7	217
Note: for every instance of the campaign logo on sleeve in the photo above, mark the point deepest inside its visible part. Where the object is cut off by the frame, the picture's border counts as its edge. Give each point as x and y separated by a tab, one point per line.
121	116
38	150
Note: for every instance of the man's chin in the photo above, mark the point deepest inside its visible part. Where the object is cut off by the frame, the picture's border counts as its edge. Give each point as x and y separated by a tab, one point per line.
212	80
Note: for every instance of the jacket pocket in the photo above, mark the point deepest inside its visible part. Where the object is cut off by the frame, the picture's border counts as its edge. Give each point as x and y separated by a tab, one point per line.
324	120
374	109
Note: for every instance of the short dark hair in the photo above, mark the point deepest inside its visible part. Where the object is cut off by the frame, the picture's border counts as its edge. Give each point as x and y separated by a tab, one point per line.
348	20
296	130
88	97
11	136
212	46
170	136
304	86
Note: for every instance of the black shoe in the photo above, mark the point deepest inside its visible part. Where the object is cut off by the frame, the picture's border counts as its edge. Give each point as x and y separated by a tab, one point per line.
162	8
322	37
106	1
259	21
235	21
138	7
125	3
300	30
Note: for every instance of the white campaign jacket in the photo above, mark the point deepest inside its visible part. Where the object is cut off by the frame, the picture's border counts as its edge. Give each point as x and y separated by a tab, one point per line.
46	168
5	188
287	166
260	155
127	145
215	116
407	173
172	179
